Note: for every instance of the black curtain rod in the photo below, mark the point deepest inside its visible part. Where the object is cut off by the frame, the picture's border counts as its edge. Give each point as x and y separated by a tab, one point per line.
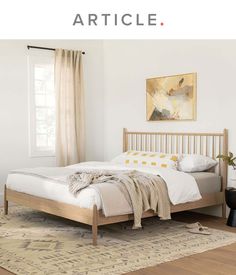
43	48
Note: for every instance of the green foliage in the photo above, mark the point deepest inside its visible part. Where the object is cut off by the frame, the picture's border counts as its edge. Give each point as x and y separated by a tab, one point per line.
230	159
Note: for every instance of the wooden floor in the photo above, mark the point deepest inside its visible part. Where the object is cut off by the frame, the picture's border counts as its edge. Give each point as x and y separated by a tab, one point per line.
220	261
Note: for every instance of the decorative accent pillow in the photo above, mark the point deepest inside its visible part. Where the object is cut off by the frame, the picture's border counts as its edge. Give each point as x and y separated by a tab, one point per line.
147	159
195	163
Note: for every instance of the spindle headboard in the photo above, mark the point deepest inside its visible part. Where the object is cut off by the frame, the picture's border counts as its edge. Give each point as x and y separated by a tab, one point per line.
207	144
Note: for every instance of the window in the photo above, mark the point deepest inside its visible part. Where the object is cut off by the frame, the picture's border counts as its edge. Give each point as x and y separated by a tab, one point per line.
41	103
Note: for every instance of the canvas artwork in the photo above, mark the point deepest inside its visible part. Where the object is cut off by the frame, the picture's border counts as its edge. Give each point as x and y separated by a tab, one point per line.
171	97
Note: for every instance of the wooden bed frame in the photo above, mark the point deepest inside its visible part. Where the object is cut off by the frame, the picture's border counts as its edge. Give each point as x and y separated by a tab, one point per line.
209	144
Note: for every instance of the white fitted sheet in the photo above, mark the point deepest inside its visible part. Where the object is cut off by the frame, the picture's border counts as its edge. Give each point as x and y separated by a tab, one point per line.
50	183
58	191
52	190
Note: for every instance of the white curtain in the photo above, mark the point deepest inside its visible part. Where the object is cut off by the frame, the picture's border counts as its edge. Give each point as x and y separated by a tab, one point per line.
69	107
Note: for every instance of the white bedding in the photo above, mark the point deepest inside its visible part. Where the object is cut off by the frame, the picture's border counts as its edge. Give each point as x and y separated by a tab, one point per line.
181	187
52	190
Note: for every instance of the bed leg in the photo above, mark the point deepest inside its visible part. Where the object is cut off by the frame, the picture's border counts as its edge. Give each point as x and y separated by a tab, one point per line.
224	210
95	225
5	201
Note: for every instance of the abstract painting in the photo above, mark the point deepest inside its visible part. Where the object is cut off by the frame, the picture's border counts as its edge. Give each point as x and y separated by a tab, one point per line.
171	97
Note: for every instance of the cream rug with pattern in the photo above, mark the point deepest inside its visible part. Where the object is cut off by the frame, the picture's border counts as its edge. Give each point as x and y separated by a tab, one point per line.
33	242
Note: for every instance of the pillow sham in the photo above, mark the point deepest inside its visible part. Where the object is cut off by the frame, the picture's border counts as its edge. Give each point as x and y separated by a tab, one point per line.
195	163
147	159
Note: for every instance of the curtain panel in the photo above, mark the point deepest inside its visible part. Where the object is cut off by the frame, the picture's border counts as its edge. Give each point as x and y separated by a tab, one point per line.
70	141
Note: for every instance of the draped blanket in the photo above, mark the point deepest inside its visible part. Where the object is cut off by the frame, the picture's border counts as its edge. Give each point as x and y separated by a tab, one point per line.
143	191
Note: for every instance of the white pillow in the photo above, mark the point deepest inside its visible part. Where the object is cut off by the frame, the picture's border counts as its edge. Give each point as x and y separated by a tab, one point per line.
147	159
195	163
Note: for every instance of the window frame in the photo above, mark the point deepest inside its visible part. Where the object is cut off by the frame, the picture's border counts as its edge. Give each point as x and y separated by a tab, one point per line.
36	56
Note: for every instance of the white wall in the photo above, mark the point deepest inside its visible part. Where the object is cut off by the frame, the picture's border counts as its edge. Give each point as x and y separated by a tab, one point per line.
128	63
14	140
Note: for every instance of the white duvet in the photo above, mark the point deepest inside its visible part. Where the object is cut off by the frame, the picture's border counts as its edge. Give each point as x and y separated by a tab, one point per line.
181	187
51	183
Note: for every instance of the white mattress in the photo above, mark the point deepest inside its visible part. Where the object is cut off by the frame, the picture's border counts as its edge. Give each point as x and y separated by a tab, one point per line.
58	191
52	190
50	183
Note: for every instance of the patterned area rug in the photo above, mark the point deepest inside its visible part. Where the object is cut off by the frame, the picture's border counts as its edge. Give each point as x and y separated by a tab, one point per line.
33	242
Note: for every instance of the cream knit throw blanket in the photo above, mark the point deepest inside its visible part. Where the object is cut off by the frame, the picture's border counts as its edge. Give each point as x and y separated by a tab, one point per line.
145	191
